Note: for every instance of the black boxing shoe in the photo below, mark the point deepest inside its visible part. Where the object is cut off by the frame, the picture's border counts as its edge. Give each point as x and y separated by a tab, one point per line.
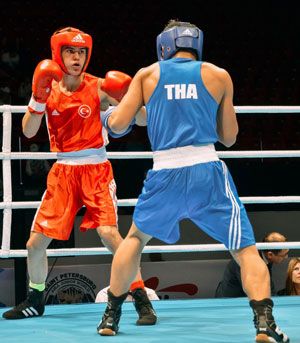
266	329
33	306
109	324
143	306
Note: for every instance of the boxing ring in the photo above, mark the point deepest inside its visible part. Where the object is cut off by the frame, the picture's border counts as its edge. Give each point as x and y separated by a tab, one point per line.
205	320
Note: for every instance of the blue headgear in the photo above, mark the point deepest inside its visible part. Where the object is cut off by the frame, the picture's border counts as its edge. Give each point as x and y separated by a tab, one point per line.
179	37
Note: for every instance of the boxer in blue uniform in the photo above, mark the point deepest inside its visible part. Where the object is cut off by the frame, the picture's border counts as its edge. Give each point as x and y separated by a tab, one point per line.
189	107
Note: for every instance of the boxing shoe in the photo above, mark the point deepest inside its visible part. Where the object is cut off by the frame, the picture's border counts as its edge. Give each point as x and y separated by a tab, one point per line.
32	306
109	324
143	306
266	329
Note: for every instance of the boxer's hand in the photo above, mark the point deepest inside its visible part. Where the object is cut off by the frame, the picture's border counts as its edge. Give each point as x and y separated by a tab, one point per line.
116	84
104	119
44	73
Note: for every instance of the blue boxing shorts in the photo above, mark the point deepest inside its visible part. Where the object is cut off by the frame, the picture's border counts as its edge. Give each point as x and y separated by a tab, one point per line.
204	193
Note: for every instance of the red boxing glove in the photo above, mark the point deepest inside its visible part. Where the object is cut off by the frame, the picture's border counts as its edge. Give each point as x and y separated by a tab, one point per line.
116	84
44	73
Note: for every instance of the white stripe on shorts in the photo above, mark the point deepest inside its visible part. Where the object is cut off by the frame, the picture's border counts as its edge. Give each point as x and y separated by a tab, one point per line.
234	239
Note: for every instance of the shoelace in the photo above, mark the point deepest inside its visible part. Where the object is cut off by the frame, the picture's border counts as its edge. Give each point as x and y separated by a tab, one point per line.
267	313
23	305
144	308
115	314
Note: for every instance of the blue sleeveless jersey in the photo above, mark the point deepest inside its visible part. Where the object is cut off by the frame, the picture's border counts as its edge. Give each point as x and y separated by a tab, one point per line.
181	111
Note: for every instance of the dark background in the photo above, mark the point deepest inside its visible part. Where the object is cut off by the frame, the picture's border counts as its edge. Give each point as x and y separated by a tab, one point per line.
257	42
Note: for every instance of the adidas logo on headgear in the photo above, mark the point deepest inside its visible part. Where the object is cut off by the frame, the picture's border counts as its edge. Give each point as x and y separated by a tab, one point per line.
78	39
187	32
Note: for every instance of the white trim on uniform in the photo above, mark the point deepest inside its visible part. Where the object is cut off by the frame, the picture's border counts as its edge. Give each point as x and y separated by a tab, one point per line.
235	232
81	157
113	194
184	156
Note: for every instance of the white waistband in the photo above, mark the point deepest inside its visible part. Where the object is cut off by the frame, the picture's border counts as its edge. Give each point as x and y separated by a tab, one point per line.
88	156
184	156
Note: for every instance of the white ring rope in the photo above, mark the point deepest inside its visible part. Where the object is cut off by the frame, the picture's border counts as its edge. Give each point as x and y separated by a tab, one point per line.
150	249
238	109
132	202
148	154
7	205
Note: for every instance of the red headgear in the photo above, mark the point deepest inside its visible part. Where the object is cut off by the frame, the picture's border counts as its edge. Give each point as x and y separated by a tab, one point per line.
70	37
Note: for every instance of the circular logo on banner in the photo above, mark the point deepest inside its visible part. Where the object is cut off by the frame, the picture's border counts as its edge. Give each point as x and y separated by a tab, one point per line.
84	111
70	288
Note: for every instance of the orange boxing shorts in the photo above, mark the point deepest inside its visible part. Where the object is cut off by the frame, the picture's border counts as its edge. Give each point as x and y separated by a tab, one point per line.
69	187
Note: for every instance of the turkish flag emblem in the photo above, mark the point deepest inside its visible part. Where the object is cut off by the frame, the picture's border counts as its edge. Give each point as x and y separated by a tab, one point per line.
84	111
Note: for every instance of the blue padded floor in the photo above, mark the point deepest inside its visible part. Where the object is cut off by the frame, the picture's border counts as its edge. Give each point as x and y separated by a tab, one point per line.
187	321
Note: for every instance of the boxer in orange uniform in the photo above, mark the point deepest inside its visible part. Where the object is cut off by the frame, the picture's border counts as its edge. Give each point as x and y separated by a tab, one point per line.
72	100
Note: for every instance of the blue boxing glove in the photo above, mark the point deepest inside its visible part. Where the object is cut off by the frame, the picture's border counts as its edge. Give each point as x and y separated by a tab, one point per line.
104	119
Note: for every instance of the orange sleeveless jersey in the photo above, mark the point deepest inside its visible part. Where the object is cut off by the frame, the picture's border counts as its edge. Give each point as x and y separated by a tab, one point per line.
74	120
